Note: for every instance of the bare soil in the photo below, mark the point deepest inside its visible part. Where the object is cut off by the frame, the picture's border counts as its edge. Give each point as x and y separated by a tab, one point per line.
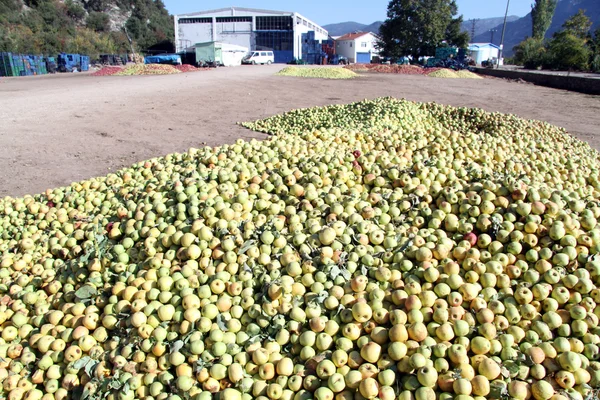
55	130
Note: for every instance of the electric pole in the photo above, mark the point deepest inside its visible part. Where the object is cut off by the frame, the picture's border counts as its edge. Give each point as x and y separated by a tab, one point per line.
503	32
473	26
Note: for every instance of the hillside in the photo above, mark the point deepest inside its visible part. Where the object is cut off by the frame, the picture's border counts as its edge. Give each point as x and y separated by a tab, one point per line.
518	30
347	27
483	25
343	27
83	26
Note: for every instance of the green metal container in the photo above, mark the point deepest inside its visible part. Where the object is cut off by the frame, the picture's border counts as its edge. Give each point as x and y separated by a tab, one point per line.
209	52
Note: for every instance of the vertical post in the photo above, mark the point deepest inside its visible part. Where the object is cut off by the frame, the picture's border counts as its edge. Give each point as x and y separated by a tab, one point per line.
214	29
177	44
503	32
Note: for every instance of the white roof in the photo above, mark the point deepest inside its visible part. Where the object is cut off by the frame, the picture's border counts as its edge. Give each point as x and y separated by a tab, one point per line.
480	45
237	11
233	47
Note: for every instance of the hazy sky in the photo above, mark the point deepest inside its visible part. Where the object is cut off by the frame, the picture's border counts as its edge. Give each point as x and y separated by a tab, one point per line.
330	11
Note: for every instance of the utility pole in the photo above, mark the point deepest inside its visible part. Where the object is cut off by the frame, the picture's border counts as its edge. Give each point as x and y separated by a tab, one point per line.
503	32
473	26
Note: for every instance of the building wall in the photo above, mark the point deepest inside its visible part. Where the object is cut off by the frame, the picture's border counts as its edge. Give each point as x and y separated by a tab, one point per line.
301	26
485	53
367	44
238	33
346	48
194	33
349	48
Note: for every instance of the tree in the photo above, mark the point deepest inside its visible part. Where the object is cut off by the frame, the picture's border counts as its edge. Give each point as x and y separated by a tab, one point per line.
569	48
542	12
97	21
578	25
530	53
74	10
595	47
418	27
568	52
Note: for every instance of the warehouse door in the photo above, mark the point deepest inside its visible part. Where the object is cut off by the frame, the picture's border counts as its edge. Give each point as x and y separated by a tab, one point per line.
363	58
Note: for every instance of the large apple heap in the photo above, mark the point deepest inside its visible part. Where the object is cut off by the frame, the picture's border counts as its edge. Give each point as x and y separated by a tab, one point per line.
383	249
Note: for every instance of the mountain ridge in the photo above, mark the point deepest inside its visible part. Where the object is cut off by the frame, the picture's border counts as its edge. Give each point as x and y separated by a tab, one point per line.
519	30
481	25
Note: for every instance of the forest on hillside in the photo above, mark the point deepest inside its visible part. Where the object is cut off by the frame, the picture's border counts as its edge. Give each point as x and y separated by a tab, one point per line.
89	27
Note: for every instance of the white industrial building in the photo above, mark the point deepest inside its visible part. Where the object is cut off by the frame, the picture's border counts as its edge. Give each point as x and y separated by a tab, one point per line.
483	52
278	31
357	47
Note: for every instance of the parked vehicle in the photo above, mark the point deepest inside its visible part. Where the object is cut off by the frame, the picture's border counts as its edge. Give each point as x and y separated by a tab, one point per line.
259	57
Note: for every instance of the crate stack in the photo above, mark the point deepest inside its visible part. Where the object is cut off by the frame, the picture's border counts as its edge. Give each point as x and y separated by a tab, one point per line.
22	65
328	47
312	49
85	63
7	65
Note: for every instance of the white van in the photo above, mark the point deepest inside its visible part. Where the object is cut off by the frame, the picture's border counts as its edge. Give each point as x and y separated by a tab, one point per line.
259	57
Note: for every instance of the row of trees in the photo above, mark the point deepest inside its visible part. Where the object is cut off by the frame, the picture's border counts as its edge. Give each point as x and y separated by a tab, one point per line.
52	26
574	47
418	27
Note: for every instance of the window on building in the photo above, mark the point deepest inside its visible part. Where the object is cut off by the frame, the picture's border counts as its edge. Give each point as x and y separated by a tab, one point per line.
350	44
274	23
234	19
195	20
304	22
363	44
276	41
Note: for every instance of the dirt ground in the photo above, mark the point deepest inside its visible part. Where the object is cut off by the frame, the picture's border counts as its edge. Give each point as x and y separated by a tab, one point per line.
58	129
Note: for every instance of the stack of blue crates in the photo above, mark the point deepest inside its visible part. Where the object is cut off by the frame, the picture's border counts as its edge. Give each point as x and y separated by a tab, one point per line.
85	63
7	65
21	65
312	49
27	65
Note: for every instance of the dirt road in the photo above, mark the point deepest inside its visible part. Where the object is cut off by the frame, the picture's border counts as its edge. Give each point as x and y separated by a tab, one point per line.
58	129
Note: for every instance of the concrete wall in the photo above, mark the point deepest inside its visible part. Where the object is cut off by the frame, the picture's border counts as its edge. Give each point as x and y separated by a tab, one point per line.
195	33
573	83
346	48
238	33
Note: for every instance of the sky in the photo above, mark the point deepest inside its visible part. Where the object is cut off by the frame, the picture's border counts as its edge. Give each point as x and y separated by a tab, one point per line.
325	12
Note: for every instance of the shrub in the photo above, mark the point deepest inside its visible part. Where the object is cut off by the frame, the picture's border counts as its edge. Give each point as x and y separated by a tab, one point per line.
595	65
530	53
568	52
97	21
75	10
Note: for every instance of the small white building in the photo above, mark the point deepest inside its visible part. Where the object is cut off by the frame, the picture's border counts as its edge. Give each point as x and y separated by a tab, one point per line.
483	51
277	31
358	47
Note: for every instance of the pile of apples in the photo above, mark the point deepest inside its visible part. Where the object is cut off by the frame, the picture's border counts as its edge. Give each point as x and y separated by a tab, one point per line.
382	249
